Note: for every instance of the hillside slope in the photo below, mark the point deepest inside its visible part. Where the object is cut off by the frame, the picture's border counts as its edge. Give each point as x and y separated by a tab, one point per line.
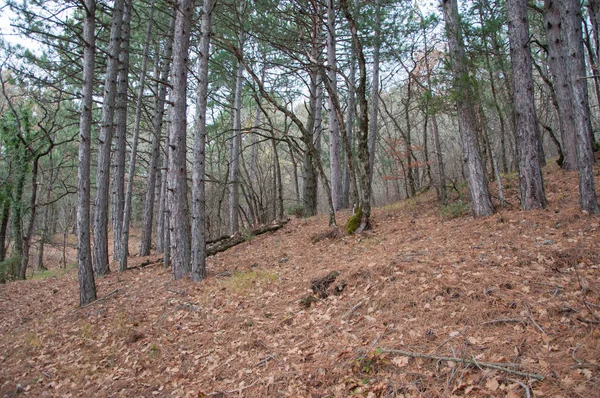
520	289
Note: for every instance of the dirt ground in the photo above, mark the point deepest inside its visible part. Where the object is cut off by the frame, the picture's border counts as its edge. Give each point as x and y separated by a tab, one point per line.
430	306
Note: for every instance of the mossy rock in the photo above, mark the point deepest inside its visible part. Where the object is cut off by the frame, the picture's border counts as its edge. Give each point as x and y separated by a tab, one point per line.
354	221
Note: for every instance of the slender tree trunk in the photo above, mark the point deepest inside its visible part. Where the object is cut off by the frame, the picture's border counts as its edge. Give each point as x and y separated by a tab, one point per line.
5	215
124	246
236	143
177	173
363	121
555	30
571	19
100	259
162	225
198	271
375	90
33	206
120	138
528	134
153	172
334	123
435	133
46	219
350	116
87	285
310	186
476	178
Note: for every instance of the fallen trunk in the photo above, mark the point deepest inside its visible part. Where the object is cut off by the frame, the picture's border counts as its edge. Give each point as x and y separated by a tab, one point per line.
224	243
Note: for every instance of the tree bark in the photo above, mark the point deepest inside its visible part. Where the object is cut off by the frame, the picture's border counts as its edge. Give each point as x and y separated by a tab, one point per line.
198	269
124	245
100	259
120	138
154	170
528	135
236	143
557	62
87	285
571	19
374	89
475	172
177	173
334	123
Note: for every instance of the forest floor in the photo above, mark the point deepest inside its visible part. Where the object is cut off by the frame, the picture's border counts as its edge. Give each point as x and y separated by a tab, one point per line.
518	289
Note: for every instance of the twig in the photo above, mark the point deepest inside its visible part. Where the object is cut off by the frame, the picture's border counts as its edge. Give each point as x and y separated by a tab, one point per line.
377	339
102	298
538	327
525	387
265	360
353	309
464	361
503	320
238	390
588	321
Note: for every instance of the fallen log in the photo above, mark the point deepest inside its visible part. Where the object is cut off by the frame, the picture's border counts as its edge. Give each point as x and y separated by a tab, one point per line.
224	244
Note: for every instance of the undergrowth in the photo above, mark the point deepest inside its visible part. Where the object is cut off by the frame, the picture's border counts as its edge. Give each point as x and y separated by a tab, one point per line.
242	282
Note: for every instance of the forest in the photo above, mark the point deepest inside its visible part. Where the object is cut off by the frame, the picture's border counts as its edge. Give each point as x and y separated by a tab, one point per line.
165	138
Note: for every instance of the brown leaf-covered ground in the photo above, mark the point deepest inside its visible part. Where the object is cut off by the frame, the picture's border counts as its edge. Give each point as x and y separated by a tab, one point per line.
521	289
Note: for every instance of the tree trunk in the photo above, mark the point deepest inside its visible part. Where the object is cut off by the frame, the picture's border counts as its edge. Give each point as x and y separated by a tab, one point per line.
154	170
177	173
4	216
120	138
334	123
476	178
528	135
571	19
46	219
310	186
363	122
100	259
198	271
87	285
375	89
557	62
236	143
124	245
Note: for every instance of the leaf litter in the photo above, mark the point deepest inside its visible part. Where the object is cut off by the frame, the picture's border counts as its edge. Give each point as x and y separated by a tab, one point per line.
518	289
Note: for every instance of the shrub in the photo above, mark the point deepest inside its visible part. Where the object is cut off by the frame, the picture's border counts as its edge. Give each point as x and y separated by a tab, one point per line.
9	269
296	210
456	209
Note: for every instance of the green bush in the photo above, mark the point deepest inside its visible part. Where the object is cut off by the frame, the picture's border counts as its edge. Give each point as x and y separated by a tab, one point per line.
296	210
456	209
9	269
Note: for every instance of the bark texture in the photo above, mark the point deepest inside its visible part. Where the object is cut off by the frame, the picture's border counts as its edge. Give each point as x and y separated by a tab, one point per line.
87	285
100	260
177	171
475	172
198	269
527	129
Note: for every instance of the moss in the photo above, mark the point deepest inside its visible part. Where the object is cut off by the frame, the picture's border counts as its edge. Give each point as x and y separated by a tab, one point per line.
354	221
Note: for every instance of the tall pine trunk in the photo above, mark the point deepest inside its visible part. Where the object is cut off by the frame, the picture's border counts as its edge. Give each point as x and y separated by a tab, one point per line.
334	123
198	271
475	171
120	138
100	259
528	135
571	19
124	245
154	170
177	173
87	285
